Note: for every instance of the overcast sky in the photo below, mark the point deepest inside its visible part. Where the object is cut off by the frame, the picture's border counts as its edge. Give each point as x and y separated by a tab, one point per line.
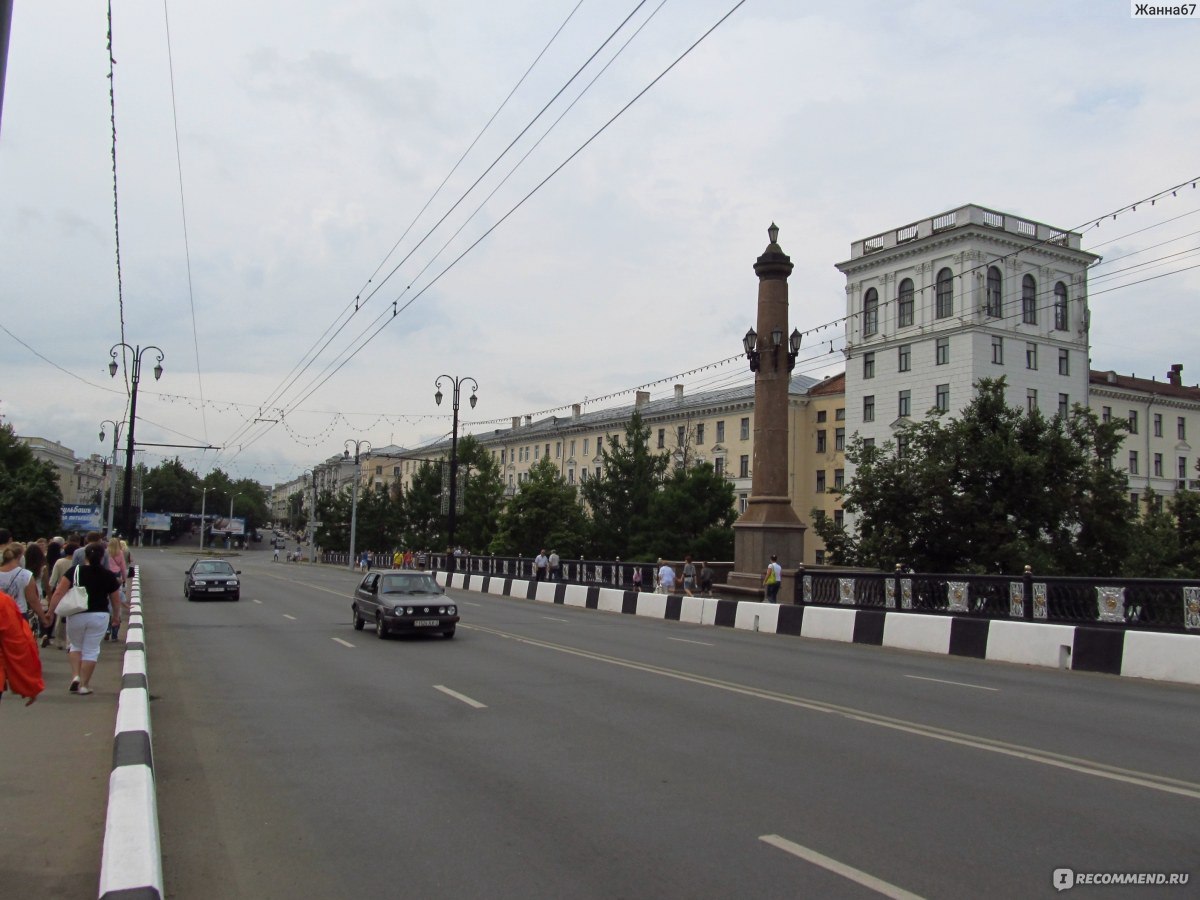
310	136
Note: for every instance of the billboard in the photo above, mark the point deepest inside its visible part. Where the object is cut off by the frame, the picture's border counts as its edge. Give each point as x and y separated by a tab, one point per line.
232	527
156	521
80	517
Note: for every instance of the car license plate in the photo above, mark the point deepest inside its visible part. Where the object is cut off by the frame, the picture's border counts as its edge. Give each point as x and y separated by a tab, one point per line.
427	623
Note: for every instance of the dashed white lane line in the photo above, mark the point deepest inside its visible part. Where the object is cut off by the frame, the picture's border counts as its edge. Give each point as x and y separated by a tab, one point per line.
344	643
469	603
686	641
978	687
257	601
848	872
555	619
457	696
286	616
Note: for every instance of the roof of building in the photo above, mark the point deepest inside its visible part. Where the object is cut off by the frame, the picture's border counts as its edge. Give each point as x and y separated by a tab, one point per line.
1145	385
834	384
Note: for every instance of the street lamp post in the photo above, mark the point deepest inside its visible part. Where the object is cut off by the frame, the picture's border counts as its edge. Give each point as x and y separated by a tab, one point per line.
138	352
457	382
358	450
231	499
112	483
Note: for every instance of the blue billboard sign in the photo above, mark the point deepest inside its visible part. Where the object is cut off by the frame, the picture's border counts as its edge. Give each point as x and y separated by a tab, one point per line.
80	517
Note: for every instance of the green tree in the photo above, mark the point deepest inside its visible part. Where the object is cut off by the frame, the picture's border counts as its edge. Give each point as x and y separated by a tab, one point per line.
297	518
333	512
30	498
1185	507
993	490
482	493
380	521
424	524
1154	550
545	512
620	497
692	514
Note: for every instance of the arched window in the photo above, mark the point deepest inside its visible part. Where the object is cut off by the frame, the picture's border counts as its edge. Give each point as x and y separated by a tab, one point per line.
906	302
1028	300
945	293
871	312
1060	306
993	302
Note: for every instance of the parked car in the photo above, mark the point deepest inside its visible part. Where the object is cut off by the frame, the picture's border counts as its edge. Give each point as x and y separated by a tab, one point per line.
207	578
403	602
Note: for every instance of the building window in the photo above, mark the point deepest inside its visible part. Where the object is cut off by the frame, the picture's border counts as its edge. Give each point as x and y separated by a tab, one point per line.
570	476
680	436
395	471
742	498
1028	300
820	557
942	401
1158	424
901	445
1064	405
744	466
868	365
942	351
820	481
868	442
1158	465
746	429
839	478
1133	503
548	448
700	435
379	470
572	448
992	302
1181	428
839	518
1105	413
905	311
904	404
1060	306
821	441
839	414
869	408
503	453
1133	421
1031	400
1158	503
998	350
904	357
537	452
945	293
558	449
1031	356
586	441
719	465
1133	462
1064	362
821	415
721	432
871	312
662	440
583	474
839	439
1182	468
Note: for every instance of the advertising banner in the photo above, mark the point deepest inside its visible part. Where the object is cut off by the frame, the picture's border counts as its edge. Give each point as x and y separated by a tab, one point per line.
232	527
156	522
80	517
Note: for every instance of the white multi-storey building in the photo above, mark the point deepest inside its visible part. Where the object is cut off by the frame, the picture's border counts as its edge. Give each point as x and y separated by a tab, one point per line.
937	305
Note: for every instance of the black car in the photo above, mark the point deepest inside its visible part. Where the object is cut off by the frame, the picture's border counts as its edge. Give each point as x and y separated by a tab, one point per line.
405	602
207	578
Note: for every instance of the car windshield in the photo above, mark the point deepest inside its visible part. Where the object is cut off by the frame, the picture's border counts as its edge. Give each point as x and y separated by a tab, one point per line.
212	568
409	584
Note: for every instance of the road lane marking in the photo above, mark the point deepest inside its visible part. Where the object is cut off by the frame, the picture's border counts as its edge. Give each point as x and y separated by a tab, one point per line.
286	616
686	641
344	643
838	868
457	696
555	619
469	603
258	602
978	687
1082	766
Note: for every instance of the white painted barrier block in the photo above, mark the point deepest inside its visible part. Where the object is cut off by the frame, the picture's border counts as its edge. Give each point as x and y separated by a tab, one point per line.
610	600
653	606
519	588
909	631
1163	657
757	617
132	857
545	591
133	711
1031	643
496	585
828	624
576	595
135	663
440	578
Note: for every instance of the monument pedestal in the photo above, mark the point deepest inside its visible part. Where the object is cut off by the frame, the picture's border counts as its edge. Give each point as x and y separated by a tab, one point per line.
769	525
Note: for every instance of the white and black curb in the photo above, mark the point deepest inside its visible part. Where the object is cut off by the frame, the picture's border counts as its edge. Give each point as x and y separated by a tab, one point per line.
131	863
1161	656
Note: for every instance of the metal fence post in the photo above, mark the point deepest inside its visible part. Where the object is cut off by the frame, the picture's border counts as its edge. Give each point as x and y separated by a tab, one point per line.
1027	609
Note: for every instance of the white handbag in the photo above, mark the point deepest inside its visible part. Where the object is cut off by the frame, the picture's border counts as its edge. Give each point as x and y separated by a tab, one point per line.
74	600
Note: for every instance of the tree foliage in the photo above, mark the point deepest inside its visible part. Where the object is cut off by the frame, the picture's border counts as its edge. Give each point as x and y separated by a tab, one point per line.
994	490
544	513
621	496
30	497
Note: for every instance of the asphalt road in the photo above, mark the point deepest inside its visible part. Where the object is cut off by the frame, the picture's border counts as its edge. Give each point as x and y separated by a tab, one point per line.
551	751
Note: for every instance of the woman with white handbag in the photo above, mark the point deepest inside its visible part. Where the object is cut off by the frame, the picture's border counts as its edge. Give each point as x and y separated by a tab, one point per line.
92	594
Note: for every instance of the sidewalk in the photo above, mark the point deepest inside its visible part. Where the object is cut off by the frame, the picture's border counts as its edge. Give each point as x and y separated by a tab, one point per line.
57	756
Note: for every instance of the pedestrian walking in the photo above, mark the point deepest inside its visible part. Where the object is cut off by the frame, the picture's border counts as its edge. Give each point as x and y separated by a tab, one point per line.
540	563
19	583
689	576
637	579
706	580
20	665
554	563
116	564
666	577
772	579
86	629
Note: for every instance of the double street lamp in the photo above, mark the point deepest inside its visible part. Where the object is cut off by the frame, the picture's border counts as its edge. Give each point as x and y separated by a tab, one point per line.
112	483
358	451
458	383
138	352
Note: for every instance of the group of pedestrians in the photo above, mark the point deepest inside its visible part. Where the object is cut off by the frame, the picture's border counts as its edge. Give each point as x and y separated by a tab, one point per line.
547	567
694	580
34	579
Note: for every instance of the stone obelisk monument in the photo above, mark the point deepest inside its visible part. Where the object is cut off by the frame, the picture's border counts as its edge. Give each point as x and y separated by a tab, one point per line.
770	524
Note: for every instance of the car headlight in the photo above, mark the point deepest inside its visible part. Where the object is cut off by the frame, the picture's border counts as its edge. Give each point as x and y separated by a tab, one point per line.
441	610
409	611
452	610
233	583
